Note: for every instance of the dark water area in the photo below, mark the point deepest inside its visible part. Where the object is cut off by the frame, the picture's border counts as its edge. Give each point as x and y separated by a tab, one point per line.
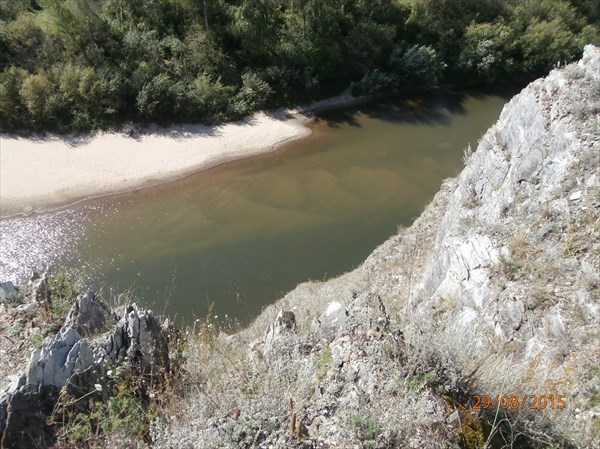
237	237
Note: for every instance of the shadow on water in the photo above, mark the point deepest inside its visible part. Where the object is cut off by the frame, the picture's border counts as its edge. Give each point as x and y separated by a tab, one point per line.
427	107
236	238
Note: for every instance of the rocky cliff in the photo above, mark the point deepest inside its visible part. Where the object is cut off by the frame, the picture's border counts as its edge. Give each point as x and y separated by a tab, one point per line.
478	326
493	291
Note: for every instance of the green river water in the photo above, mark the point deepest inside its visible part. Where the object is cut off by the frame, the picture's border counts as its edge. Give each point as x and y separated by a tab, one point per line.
239	236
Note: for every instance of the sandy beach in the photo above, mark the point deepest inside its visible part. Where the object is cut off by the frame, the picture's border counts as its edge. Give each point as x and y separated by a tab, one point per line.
39	174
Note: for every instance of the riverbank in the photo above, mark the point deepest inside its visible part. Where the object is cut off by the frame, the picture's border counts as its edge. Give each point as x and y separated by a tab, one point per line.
42	173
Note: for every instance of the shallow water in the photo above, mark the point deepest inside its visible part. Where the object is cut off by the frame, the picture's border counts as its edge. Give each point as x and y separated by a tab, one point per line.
239	236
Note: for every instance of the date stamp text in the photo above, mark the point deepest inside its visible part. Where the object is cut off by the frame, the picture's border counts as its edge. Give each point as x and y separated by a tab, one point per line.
530	401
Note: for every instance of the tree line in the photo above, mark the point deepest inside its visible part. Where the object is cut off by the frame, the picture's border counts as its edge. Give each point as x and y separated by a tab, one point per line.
78	65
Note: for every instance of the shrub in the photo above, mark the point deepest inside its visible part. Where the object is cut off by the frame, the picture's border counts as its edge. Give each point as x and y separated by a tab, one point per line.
487	51
419	65
373	82
156	99
252	95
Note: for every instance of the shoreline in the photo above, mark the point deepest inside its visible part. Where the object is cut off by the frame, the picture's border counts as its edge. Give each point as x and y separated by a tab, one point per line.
43	174
39	175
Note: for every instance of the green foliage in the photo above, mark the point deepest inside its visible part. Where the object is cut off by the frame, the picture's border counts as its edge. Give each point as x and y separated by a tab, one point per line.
366	429
38	94
156	98
419	65
488	51
13	114
322	363
206	99
84	64
252	95
125	412
417	381
258	21
368	47
62	291
550	32
373	82
25	40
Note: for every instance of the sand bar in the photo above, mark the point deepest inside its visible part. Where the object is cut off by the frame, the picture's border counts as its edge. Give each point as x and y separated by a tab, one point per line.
42	173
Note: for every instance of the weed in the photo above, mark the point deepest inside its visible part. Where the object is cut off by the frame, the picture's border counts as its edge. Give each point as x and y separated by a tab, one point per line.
323	361
127	412
35	339
366	429
467	152
62	291
417	381
571	248
14	298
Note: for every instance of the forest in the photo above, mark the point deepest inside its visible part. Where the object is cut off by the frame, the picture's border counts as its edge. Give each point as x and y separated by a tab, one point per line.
81	65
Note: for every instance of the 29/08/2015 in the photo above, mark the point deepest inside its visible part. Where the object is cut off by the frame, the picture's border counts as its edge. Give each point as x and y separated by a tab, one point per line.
520	401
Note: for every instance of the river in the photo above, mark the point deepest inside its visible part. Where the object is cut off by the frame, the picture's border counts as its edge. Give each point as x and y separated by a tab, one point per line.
235	238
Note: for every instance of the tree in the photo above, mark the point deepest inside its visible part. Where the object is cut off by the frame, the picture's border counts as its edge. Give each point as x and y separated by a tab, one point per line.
368	46
257	26
545	43
252	95
38	95
156	99
25	39
419	65
13	114
488	51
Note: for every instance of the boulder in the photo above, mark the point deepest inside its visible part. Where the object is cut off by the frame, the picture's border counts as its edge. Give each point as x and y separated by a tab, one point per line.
331	320
139	338
25	418
284	324
90	315
55	362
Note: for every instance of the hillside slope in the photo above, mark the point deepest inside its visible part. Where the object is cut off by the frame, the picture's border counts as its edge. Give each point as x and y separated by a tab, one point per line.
492	291
478	326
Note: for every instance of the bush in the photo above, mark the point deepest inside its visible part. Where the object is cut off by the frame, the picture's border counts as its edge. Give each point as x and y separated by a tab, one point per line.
12	111
373	82
125	415
487	51
25	39
156	99
38	94
252	95
419	65
206	99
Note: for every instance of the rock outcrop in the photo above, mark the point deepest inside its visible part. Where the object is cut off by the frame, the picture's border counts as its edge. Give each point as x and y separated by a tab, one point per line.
494	291
75	361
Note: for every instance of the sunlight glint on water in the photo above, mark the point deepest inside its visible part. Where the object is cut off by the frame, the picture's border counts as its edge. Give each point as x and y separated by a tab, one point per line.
241	235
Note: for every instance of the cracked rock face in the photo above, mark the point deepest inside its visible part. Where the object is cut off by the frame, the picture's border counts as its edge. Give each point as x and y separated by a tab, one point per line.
139	338
76	358
493	289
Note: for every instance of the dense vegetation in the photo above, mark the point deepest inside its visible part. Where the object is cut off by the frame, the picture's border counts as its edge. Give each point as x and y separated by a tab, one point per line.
87	64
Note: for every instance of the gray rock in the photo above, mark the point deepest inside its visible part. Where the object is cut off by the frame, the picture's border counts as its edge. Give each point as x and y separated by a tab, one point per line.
55	363
23	420
75	359
284	324
27	310
89	315
139	339
575	196
38	285
331	320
